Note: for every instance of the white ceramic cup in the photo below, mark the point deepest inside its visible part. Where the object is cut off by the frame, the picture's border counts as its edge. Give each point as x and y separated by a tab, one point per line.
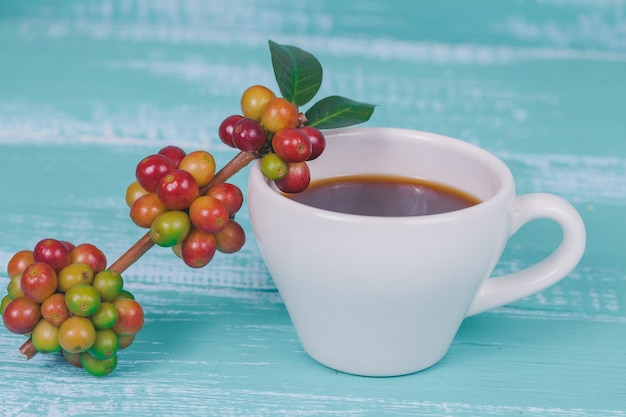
383	296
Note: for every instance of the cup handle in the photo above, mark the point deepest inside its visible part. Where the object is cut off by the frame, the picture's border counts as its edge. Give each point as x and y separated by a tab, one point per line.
498	291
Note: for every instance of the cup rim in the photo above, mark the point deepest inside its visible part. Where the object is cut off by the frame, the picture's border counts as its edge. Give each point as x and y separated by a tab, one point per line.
506	189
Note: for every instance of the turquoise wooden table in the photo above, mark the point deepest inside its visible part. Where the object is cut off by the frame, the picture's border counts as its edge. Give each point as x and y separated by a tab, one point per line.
88	88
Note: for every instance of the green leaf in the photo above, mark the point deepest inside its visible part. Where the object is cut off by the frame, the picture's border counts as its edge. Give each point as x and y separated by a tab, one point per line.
298	73
335	111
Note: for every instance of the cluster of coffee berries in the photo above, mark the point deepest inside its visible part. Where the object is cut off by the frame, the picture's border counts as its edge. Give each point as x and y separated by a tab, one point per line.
174	198
64	298
272	127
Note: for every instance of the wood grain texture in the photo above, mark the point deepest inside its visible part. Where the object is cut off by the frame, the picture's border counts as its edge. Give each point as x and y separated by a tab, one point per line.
87	88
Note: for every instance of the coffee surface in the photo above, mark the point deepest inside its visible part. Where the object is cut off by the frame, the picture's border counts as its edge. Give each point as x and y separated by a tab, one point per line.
377	195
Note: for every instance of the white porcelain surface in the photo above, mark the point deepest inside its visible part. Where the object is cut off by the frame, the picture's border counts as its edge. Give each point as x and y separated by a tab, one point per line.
385	296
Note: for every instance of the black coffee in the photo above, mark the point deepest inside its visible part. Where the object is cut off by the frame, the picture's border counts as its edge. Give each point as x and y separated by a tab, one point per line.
377	195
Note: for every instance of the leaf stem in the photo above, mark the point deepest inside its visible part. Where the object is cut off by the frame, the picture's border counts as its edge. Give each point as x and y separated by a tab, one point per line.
239	161
133	253
28	349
